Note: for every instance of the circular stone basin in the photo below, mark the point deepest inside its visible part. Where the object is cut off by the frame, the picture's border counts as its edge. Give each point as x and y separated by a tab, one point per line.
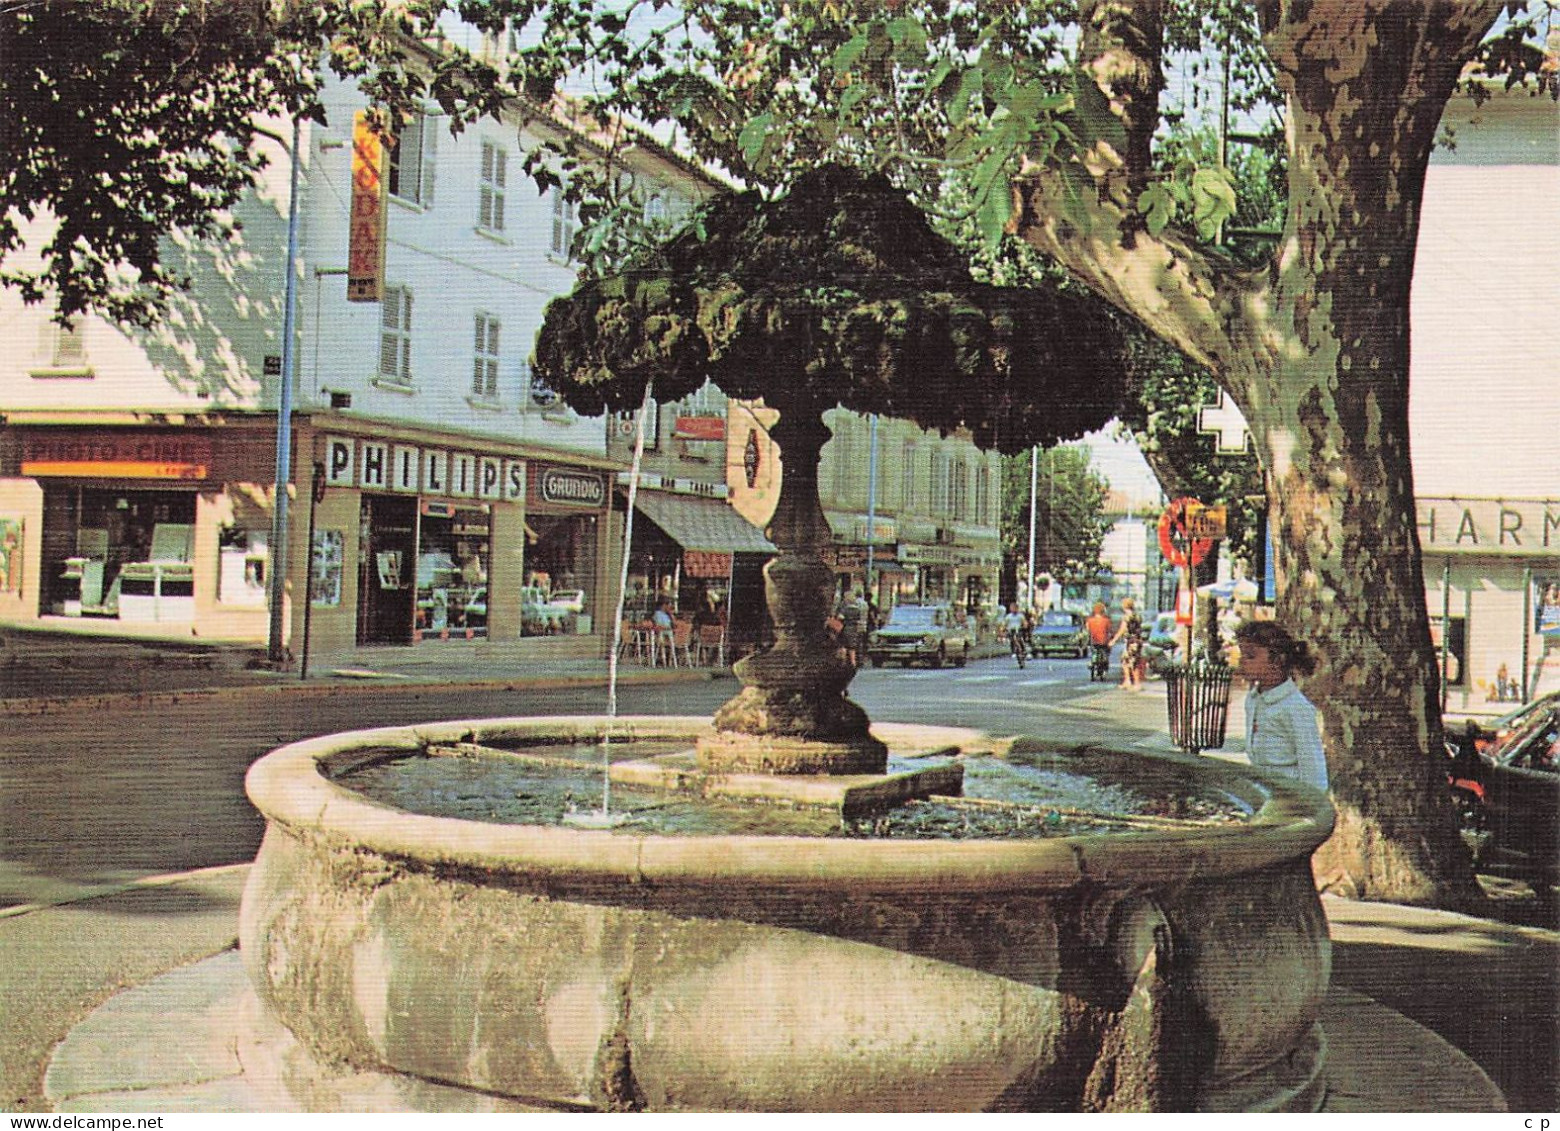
1165	961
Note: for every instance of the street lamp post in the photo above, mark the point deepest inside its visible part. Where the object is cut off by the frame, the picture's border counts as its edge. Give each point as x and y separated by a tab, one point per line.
276	650
872	458
1034	483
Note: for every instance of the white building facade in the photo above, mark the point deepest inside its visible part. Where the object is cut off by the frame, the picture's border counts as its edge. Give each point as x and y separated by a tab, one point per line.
436	492
1484	413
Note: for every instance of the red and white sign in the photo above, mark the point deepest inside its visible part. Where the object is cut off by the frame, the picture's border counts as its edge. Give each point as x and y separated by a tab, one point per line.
366	234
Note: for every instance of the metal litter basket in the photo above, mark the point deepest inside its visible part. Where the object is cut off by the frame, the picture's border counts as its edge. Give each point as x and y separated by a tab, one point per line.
1198	698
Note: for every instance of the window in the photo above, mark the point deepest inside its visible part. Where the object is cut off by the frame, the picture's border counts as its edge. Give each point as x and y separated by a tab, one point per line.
907	479
537	392
411	161
564	224
62	351
983	494
939	484
395	336
490	207
958	489
484	358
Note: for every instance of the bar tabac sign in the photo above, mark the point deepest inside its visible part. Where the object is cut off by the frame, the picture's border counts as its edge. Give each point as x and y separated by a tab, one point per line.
366	242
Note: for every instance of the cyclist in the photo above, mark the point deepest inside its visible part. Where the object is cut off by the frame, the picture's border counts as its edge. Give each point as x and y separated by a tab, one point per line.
1015	624
1098	625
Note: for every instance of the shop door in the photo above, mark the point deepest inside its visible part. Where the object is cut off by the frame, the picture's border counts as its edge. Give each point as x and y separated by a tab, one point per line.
387	570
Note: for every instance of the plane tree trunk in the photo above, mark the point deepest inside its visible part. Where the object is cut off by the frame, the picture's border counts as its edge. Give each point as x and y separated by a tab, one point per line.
1314	348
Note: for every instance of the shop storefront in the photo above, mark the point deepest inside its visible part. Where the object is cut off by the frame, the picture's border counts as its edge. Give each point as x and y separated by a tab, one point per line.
401	538
442	543
136	525
1492	588
702	554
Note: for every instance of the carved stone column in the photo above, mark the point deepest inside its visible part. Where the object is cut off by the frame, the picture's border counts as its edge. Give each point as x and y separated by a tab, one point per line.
792	716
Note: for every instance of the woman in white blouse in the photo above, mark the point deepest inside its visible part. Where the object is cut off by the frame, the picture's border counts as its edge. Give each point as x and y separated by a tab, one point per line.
1282	733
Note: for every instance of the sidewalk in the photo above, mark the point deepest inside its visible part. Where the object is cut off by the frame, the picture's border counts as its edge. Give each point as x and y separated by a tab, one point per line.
1427	1007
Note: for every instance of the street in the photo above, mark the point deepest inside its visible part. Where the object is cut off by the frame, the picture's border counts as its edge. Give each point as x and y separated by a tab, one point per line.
95	799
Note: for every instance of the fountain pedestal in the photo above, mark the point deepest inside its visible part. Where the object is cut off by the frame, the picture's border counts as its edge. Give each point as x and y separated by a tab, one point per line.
792	715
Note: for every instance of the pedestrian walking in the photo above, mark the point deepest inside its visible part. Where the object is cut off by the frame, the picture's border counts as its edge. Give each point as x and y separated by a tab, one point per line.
852	615
1131	632
1282	731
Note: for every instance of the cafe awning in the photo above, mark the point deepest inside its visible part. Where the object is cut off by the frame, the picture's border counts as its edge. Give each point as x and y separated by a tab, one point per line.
700	524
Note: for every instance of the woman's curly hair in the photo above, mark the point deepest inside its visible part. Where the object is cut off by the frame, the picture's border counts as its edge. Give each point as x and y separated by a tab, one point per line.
1294	656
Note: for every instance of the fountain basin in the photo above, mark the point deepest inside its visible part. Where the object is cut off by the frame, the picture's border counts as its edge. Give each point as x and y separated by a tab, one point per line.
1165	968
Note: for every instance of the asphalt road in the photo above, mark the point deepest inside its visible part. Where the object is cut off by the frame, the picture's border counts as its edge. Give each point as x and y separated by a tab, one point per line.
93	799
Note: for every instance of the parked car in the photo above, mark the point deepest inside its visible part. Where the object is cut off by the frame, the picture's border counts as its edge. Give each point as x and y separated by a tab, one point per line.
929	633
1061	633
1505	782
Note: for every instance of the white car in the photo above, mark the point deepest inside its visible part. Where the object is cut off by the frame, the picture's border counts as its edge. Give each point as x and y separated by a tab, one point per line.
569	600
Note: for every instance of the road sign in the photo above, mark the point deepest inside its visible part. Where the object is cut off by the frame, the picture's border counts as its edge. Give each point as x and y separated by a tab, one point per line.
1207	521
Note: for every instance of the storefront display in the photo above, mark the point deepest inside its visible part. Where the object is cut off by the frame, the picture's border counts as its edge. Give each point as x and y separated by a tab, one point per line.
454	549
120	552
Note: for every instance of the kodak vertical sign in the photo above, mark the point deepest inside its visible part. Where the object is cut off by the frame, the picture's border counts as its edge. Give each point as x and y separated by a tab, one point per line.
366	241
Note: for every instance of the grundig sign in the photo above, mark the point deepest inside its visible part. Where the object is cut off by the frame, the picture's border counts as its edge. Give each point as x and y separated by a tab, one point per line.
559	486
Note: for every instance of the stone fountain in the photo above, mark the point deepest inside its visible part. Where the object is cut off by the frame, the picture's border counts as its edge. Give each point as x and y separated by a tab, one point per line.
1154	963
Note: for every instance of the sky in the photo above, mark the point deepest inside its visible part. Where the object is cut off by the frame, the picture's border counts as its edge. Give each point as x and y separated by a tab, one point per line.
1123	467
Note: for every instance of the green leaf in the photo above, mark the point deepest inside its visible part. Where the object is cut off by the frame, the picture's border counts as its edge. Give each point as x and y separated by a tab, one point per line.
1158	205
996	208
754	134
849	51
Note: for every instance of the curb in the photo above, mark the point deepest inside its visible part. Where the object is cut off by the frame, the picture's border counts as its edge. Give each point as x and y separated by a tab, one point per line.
50	705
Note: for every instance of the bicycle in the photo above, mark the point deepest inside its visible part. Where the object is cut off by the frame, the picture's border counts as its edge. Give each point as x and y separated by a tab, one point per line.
1016	643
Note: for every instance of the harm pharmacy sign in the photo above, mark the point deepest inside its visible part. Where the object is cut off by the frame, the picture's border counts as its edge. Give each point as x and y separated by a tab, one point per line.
1489	526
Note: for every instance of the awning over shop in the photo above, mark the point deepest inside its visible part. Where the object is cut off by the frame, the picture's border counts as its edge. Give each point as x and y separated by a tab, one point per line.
699	524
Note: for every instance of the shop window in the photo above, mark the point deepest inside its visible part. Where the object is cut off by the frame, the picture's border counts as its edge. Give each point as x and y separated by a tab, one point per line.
395	337
10	554
490	192
241	571
454	551
325	568
484	363
559	575
411	161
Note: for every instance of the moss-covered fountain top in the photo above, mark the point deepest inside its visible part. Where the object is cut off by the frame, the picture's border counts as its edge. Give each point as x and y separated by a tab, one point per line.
839	293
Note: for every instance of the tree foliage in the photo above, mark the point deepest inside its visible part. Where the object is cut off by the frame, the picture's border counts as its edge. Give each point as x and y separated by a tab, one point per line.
1070	522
